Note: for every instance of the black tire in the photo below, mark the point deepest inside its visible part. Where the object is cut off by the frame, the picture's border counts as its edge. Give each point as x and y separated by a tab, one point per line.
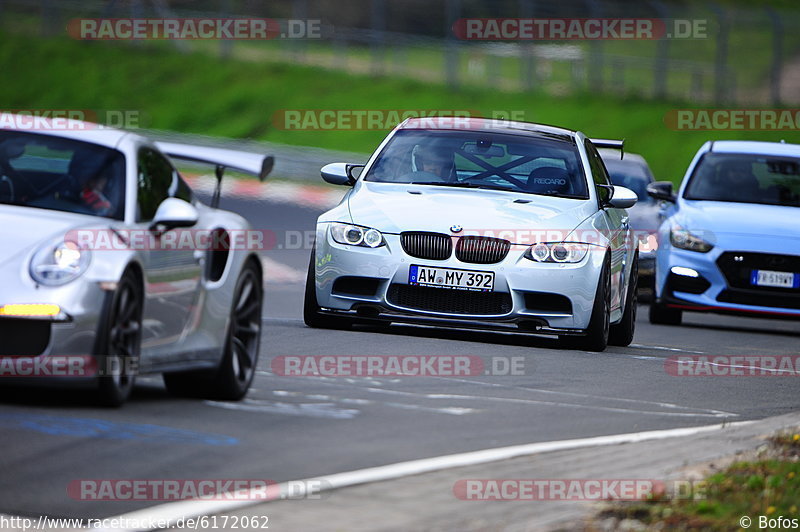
662	315
621	334
231	380
119	341
311	310
596	337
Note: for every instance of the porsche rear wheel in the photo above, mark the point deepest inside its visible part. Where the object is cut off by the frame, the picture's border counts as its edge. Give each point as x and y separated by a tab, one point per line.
231	380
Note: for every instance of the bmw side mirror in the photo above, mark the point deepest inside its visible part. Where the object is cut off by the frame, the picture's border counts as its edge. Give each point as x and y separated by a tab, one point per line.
341	173
354	170
622	198
173	213
661	190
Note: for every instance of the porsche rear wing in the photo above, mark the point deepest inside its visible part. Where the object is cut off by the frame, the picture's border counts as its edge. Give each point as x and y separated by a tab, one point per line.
613	144
222	158
242	161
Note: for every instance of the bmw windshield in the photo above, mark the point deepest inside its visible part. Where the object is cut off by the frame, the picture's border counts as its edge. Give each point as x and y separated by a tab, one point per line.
50	172
542	165
746	178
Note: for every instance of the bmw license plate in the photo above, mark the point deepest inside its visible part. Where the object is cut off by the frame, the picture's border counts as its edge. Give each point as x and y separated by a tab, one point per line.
777	279
451	278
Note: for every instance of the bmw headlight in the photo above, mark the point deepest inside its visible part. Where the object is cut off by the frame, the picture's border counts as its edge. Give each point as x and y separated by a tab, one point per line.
683	239
561	252
59	262
356	235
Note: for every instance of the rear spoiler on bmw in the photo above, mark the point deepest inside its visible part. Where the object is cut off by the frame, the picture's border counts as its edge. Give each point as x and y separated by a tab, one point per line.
222	158
613	144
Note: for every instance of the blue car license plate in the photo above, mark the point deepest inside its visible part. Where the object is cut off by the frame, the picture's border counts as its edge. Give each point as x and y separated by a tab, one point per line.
775	279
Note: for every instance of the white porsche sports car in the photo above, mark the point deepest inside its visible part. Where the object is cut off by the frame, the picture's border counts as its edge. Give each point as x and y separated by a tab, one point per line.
476	223
112	267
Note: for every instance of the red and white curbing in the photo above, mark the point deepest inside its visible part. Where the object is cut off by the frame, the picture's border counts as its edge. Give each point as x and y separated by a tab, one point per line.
278	273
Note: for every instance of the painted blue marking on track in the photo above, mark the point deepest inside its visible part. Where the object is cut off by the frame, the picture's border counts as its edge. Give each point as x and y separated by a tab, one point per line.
110	430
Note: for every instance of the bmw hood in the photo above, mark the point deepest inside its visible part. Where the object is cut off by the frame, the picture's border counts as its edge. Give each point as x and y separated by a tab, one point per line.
25	229
726	218
393	208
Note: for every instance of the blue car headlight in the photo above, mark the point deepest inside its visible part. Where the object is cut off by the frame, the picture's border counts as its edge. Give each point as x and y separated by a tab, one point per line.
356	235
683	239
562	252
59	262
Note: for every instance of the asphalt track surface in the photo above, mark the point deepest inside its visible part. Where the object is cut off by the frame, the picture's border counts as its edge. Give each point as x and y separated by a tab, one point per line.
298	427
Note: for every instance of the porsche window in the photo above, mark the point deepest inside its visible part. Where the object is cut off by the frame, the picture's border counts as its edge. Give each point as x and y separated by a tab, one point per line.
746	178
155	180
61	174
535	165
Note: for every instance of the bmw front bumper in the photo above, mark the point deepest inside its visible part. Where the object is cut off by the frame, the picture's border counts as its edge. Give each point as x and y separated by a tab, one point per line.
528	296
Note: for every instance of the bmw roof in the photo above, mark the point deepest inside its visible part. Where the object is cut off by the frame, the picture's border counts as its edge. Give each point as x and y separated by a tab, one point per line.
485	124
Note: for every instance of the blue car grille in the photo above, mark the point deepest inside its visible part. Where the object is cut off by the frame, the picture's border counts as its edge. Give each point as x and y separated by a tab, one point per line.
737	267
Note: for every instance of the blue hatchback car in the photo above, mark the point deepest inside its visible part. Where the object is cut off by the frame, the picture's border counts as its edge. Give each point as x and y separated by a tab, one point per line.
730	240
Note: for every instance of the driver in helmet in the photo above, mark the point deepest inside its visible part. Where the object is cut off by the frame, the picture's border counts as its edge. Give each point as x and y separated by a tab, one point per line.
437	161
93	195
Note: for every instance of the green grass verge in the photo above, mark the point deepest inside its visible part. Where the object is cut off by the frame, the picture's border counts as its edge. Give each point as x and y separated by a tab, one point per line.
767	487
198	93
